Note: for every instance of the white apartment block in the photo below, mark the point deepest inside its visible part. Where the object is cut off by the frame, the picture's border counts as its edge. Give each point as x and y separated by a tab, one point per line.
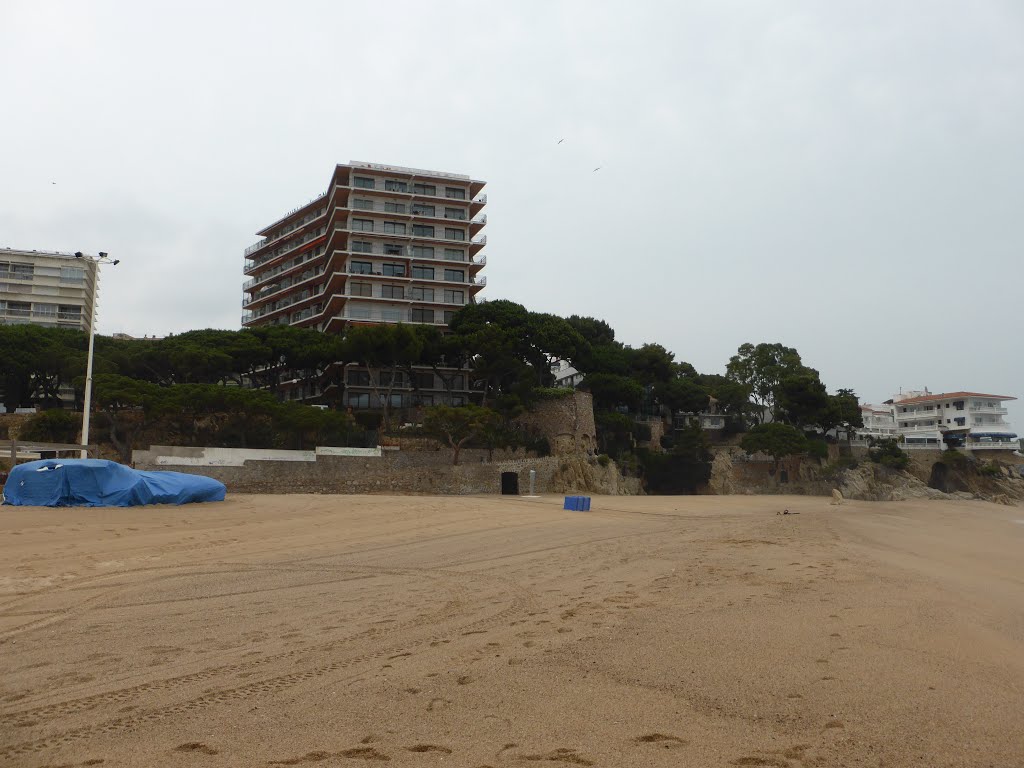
878	423
45	288
971	420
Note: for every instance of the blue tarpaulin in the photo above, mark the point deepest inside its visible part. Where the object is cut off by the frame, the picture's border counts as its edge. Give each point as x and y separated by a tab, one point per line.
100	483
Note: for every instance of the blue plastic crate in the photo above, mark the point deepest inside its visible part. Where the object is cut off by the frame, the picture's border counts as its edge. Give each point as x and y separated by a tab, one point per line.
577	503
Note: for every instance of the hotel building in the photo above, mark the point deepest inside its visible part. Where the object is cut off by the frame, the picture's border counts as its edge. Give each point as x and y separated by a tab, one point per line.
383	244
969	420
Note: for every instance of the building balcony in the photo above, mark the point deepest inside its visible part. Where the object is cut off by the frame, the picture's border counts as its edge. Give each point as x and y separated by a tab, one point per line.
472	281
410	191
285	286
994	410
413	211
282	305
358	315
917	429
283	249
917	415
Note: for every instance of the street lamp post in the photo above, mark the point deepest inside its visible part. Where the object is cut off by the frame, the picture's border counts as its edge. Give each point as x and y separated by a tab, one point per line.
96	261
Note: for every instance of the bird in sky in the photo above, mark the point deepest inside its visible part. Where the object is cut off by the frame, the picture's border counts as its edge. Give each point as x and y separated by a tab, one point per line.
560	141
597	169
53	182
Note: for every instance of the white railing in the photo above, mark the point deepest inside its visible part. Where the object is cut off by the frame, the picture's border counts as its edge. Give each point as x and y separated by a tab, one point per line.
1001	445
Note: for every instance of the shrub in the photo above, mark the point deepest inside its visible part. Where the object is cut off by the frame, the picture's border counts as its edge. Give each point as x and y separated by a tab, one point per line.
990	470
368	419
642	431
734	425
888	454
817	449
604	460
53	426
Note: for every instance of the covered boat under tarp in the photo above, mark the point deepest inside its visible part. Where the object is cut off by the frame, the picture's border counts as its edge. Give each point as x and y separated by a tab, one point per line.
100	483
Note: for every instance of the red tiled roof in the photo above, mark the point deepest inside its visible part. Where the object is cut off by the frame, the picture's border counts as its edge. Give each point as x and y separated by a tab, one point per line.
950	396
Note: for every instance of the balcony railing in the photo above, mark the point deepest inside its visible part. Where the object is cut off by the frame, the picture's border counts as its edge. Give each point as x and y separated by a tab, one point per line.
287	247
413	210
284	285
479	280
391	316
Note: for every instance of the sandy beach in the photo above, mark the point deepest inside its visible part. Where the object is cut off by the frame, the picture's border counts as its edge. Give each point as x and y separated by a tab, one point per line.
421	631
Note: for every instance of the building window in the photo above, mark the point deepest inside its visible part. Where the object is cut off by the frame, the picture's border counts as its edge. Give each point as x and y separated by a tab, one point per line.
961	421
423	380
45	310
454	297
422	230
391	315
423	252
455	193
72	275
27	272
394	227
419	315
358	378
364	182
360	289
392	250
366	205
450	233
455	275
423	273
454	254
426	400
458	400
392	292
419	293
393	185
448	317
394	207
360	267
423	210
361	246
958	404
359	399
362	225
394	270
455	213
19	309
424	189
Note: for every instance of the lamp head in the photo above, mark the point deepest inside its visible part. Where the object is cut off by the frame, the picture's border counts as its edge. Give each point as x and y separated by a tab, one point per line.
78	254
116	262
103	254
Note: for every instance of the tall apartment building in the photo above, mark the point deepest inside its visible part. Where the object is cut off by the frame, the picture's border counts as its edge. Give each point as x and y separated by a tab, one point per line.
45	288
383	244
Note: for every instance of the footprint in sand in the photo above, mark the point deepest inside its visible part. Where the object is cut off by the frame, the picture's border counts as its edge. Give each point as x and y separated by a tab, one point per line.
560	755
429	748
196	747
662	740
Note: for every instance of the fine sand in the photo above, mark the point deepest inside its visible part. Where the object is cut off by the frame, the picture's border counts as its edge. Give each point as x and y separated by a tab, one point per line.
488	631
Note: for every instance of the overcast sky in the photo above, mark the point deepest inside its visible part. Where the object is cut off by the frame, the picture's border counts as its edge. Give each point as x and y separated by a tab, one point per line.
844	177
